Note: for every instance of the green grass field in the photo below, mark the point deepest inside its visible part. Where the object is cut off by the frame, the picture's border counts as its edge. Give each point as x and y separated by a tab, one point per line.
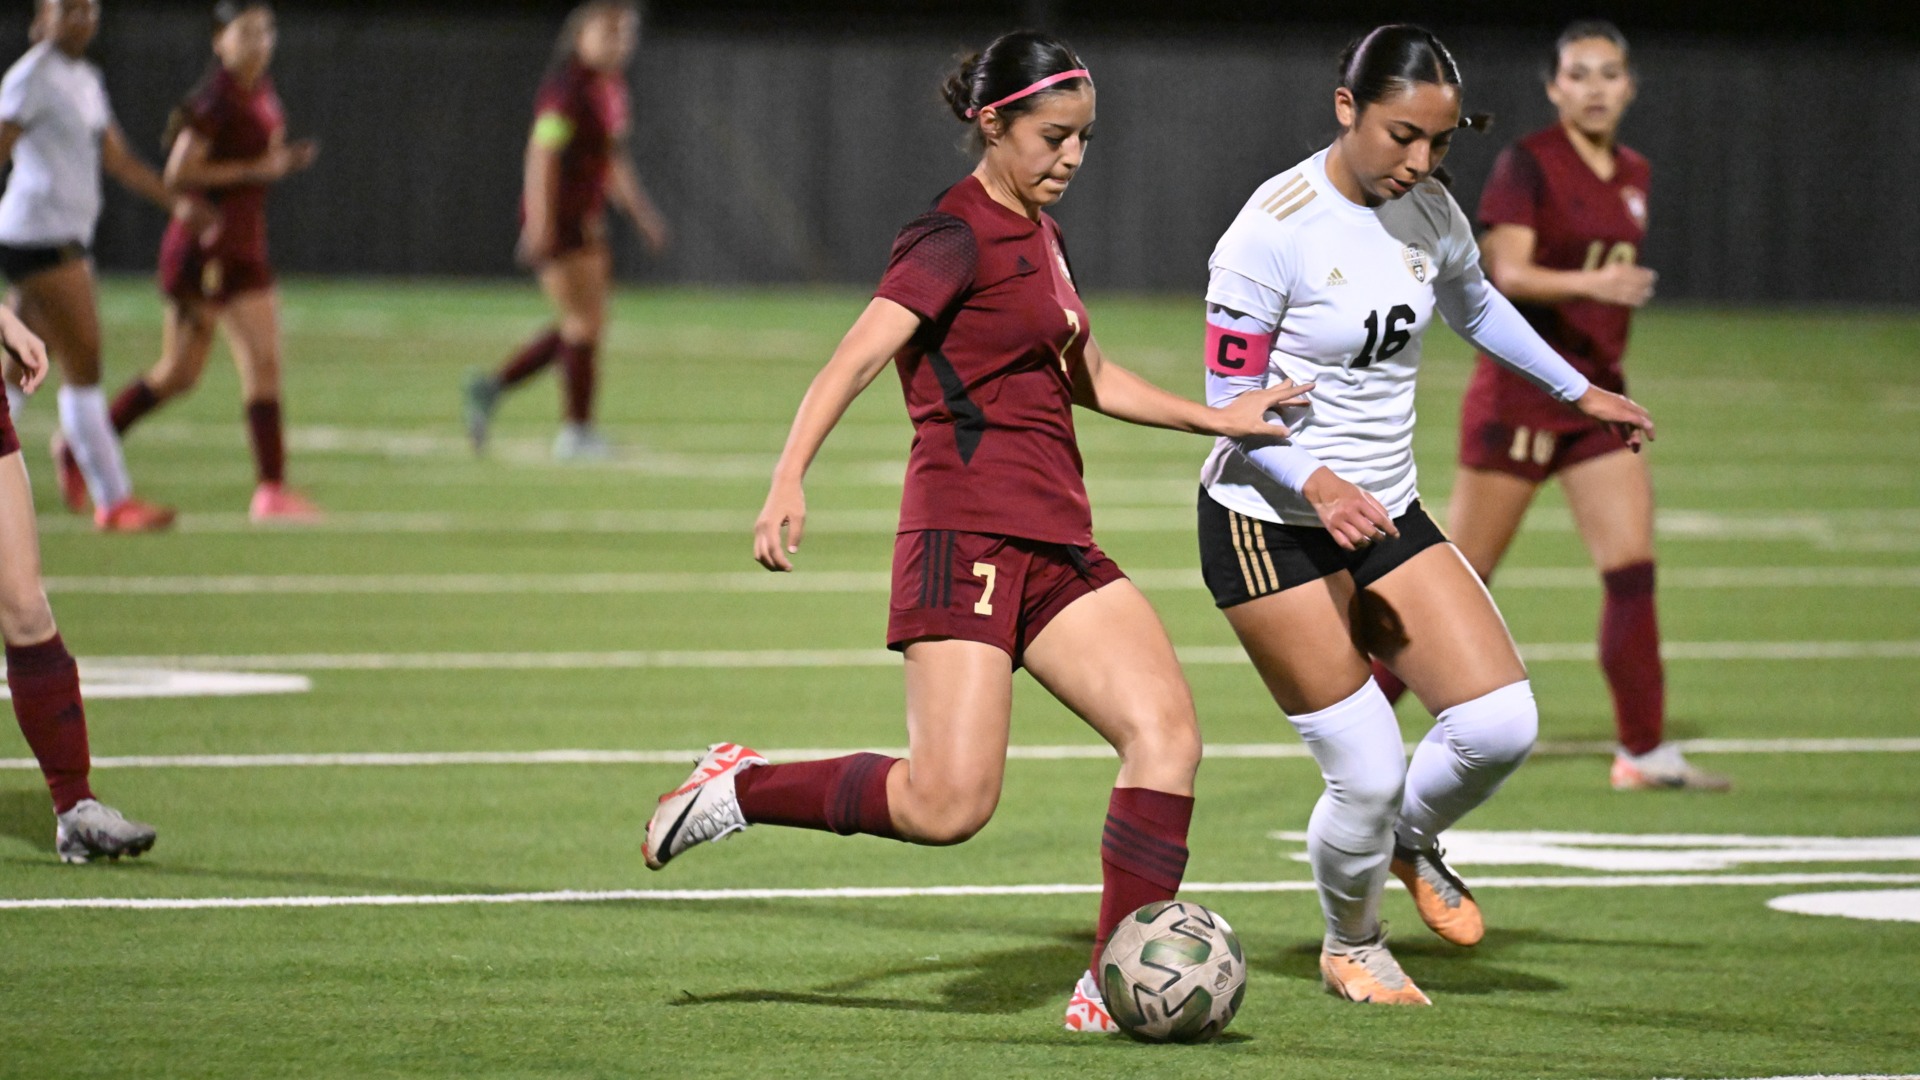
429	613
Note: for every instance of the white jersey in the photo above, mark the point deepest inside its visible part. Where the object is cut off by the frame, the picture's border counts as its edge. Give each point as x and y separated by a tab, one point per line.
60	105
1350	290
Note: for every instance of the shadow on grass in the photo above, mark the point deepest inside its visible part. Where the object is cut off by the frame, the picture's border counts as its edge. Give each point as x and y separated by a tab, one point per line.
994	983
28	816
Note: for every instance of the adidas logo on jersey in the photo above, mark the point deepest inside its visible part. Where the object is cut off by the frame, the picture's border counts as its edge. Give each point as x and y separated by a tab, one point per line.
1336	278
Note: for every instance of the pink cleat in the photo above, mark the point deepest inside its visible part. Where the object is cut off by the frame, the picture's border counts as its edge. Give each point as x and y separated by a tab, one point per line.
131	515
73	486
278	503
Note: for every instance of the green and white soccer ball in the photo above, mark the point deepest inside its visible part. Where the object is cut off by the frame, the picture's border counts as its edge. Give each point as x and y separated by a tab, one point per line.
1173	972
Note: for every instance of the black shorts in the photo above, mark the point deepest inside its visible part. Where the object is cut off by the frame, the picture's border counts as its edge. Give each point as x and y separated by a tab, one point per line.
21	263
1244	558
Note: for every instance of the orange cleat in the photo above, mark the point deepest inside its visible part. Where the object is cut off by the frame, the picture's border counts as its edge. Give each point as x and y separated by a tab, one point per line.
130	515
1367	973
278	503
1087	1010
73	485
1663	768
1443	900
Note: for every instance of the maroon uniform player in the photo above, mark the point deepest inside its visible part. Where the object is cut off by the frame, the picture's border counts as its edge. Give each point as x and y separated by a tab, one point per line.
994	567
576	163
1565	214
42	678
228	140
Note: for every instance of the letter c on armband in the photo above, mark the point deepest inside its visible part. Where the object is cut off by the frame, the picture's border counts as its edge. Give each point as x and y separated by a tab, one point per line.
1233	352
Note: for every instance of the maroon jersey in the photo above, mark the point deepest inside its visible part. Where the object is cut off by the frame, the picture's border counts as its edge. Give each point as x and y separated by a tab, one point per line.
239	124
1579	222
986	377
595	107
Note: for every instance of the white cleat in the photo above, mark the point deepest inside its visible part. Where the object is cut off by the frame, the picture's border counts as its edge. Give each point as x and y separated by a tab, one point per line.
580	442
1087	1009
1663	768
92	830
702	809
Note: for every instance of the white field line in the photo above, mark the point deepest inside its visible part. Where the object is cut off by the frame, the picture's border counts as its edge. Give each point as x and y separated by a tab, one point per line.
1073	752
861	581
1205	655
575	896
1839	530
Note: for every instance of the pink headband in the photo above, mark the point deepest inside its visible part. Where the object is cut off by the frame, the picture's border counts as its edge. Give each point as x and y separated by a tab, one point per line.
1076	73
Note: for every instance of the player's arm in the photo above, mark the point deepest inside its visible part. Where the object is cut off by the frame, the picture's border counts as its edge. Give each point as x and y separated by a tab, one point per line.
630	195
119	161
1106	387
1491	323
552	131
10	133
882	330
189	167
1507	252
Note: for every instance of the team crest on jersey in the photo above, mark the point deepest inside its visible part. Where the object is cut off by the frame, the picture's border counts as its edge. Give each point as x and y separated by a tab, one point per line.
1636	201
1419	263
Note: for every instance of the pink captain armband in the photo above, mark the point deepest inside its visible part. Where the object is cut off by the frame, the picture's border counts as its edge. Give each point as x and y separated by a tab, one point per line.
1237	352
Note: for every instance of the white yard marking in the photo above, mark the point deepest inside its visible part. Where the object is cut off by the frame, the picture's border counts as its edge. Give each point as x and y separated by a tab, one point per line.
1652	852
1886	905
1896	530
1072	752
99	682
874	582
1203	655
573	896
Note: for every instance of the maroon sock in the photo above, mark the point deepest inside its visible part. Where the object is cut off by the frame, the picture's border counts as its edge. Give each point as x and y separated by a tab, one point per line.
1143	855
269	447
1630	656
1390	683
134	401
577	360
845	795
532	359
45	685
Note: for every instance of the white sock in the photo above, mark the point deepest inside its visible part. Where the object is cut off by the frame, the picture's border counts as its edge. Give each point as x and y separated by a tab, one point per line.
96	446
1350	836
1464	760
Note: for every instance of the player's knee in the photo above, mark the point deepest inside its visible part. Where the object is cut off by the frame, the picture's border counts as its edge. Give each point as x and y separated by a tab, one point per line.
954	824
1165	738
171	380
1495	730
1373	794
582	328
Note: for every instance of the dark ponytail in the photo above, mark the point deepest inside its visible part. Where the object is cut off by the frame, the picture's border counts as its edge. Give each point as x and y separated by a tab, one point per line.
1011	64
224	14
1396	58
1581	30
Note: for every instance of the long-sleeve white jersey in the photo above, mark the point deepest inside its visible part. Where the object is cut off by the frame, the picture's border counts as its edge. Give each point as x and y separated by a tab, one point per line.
1347	293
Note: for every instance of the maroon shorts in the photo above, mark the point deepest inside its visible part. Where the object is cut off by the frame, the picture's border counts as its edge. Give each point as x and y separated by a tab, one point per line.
1000	590
573	233
9	438
191	274
1519	445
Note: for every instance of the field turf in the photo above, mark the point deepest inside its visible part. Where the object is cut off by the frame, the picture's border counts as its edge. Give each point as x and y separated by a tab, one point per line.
429	613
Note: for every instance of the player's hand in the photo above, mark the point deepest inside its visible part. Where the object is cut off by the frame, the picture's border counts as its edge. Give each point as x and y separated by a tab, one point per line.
654	233
288	158
1624	284
199	216
1351	514
1620	412
786	507
26	353
1246	415
536	245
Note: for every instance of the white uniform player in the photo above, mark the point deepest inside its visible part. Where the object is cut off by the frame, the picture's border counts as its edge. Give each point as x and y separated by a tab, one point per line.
1308	284
57	128
1347	293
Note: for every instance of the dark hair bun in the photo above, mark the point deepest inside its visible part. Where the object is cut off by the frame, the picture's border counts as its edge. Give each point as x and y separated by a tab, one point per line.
958	89
1011	64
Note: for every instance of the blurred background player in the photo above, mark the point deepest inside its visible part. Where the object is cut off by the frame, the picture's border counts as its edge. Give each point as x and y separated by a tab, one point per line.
41	675
58	129
228	141
577	160
1316	547
1565	214
994	566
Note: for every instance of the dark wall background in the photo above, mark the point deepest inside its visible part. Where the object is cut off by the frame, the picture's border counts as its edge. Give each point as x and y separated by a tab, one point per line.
789	147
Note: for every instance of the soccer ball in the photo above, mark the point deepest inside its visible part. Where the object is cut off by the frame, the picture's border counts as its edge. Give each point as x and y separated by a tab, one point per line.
1173	972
